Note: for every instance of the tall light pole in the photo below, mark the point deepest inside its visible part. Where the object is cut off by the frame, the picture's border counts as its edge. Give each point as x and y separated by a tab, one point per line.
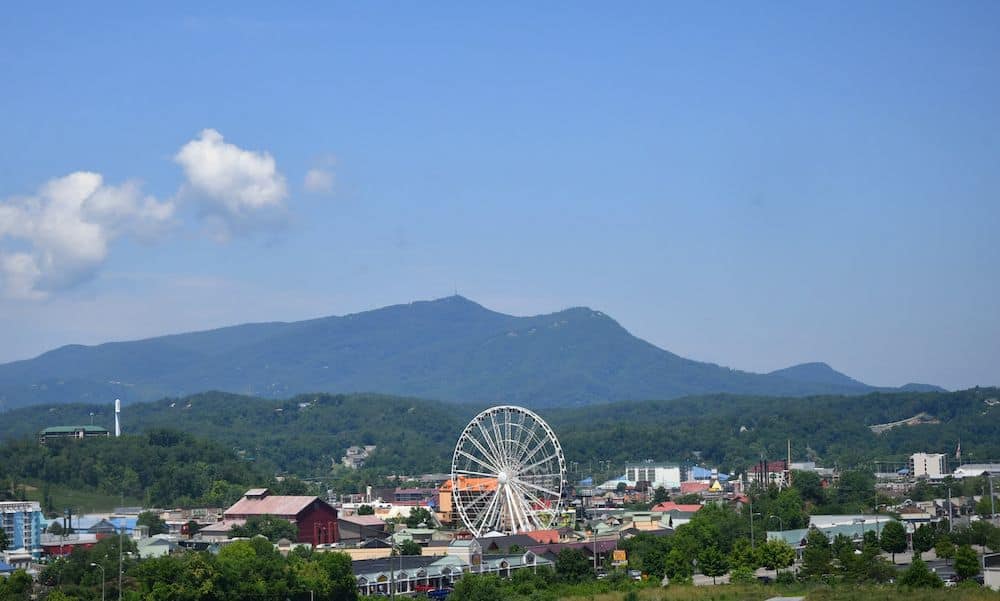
781	525
993	507
100	567
752	544
121	550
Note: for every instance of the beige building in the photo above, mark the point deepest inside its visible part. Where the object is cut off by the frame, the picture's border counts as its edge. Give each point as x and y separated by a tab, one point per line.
928	465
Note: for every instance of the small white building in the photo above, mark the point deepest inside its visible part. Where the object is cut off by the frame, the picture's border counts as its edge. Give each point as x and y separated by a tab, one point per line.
991	571
928	465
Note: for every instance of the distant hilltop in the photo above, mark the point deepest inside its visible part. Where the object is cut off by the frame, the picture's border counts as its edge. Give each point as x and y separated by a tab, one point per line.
451	349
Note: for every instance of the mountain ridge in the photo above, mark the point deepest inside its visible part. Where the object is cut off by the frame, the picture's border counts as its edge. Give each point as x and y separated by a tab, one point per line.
451	349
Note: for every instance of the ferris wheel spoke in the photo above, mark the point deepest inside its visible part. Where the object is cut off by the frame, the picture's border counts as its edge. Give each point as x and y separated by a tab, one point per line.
495	455
501	443
519	437
489	456
538	488
480	517
477	460
514	509
523	448
491	513
524	437
529	456
533	515
540	462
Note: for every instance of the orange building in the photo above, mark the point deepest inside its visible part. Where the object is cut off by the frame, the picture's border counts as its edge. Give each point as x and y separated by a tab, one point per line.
446	505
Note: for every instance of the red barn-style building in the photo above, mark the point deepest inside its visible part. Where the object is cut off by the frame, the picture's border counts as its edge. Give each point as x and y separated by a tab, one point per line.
315	519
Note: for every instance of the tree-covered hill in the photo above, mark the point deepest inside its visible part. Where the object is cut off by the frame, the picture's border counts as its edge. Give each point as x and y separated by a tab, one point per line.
159	467
450	349
306	434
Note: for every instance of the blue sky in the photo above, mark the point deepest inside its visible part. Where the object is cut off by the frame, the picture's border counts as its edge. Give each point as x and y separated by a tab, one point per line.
751	184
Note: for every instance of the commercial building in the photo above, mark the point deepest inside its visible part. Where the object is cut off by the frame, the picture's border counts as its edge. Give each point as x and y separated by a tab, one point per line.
770	473
977	469
315	518
928	465
22	523
77	432
665	475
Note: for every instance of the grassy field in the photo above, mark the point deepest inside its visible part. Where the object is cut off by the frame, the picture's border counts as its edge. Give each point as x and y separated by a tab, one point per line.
80	501
810	592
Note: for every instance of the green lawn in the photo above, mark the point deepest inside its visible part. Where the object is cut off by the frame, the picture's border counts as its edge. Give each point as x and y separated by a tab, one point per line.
811	593
80	501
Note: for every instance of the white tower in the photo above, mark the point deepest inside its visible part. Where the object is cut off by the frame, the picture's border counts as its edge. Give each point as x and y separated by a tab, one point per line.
118	410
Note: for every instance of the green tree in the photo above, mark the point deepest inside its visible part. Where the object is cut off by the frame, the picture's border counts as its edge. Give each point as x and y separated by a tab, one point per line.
944	548
923	539
985	505
153	521
816	556
343	585
855	491
918	575
572	566
647	553
366	510
966	562
893	539
741	575
677	566
660	495
712	562
810	487
743	555
776	554
410	547
419	515
268	526
477	587
192	527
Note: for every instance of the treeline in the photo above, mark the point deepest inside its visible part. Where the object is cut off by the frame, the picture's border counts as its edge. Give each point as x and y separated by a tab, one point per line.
247	569
163	468
308	434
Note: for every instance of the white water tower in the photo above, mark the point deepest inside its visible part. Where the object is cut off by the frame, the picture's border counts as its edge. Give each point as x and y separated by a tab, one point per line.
118	410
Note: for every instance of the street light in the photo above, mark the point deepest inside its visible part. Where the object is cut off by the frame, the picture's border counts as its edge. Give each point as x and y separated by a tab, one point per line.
781	525
100	567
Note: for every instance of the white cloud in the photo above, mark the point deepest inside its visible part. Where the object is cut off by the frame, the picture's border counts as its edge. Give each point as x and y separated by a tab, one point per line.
319	180
60	237
234	182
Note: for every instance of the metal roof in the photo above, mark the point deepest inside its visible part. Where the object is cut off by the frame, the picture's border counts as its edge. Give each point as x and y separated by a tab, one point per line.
72	429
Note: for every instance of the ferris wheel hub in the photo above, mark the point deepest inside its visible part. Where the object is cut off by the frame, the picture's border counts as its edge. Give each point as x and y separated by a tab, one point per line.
502	478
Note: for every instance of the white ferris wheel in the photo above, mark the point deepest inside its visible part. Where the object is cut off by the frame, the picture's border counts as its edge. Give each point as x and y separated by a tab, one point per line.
508	472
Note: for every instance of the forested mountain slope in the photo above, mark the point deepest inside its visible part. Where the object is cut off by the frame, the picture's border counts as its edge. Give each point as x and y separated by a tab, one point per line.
450	349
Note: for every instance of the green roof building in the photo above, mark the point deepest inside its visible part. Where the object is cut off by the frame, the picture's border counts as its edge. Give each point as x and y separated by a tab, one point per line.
72	432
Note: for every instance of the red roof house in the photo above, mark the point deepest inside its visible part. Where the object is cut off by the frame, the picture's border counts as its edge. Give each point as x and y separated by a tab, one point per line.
315	519
671	506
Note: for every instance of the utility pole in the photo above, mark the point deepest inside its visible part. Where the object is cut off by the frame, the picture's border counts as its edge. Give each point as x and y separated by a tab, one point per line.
993	508
593	530
951	519
121	538
103	578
